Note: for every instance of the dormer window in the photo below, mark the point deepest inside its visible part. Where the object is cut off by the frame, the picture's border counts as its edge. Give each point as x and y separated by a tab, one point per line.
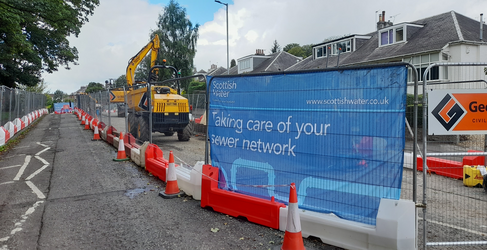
390	36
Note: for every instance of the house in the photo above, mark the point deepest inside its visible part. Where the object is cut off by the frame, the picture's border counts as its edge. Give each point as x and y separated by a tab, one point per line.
447	37
261	63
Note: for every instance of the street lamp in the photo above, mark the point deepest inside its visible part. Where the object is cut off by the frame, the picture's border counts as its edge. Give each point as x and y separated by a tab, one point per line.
228	55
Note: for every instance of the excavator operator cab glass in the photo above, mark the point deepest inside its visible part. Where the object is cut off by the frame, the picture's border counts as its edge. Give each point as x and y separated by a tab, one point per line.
163	90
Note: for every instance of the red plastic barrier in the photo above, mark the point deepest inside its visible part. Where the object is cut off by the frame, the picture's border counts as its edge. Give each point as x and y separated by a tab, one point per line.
260	211
198	120
129	141
474	160
101	126
448	168
110	135
155	162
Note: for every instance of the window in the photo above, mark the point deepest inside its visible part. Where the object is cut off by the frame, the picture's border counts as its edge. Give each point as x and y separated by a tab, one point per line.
319	52
244	64
345	46
421	63
333	48
393	35
399	34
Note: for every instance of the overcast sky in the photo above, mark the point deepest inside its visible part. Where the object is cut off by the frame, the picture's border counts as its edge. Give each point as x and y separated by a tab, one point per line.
120	28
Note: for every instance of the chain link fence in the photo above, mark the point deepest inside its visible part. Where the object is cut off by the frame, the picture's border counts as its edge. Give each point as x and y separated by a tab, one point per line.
16	103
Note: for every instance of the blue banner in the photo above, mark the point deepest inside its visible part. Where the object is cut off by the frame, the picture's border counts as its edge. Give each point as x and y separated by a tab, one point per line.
63	107
339	135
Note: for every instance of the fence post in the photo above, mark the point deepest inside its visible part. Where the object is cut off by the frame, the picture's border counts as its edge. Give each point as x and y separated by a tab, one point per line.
1	104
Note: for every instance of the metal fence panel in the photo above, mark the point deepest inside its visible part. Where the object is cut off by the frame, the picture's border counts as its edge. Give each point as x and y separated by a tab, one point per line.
15	103
454	214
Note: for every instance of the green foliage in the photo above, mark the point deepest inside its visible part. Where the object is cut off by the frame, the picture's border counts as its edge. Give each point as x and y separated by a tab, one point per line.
40	87
297	50
233	63
33	37
410	110
120	82
178	39
58	96
94	87
290	46
275	47
307	50
49	101
196	86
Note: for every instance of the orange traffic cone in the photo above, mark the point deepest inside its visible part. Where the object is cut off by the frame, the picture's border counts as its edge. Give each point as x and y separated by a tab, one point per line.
83	120
172	189
293	240
96	136
121	156
87	123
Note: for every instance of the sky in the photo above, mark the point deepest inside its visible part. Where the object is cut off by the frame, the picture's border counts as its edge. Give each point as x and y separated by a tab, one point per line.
120	28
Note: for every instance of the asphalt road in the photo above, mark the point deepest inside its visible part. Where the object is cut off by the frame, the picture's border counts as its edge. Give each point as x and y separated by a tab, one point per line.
60	190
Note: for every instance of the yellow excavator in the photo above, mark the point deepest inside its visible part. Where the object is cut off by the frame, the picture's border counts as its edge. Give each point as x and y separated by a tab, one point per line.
170	111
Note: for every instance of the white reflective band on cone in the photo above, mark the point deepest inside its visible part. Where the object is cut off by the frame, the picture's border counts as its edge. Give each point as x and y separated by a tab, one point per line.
171	175
293	223
121	147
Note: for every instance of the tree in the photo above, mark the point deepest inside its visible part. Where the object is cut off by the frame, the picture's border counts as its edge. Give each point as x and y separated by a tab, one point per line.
275	47
233	63
120	82
94	87
49	101
40	87
297	51
196	85
33	37
58	96
178	39
290	46
307	50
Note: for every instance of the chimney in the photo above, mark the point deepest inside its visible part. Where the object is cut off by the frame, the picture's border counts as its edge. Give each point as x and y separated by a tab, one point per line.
481	27
382	21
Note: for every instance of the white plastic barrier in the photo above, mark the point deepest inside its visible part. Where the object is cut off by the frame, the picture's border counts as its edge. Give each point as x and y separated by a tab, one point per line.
103	133
4	136
10	127
137	153
395	227
25	119
19	124
116	141
189	180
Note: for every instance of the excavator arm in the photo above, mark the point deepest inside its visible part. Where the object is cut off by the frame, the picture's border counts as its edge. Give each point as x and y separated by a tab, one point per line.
117	95
152	46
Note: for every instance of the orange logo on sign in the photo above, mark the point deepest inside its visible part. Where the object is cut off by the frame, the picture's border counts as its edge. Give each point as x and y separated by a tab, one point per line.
476	106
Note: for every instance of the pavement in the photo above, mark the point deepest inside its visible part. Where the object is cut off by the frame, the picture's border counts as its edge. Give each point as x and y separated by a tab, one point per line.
60	190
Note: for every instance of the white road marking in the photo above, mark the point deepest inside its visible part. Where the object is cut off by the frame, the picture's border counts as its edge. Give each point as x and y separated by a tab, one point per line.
18	225
42	144
14	166
22	169
38	192
8	182
42	160
36	172
42	151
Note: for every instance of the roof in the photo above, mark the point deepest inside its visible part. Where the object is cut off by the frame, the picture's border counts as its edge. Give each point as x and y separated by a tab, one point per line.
437	31
218	71
276	62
